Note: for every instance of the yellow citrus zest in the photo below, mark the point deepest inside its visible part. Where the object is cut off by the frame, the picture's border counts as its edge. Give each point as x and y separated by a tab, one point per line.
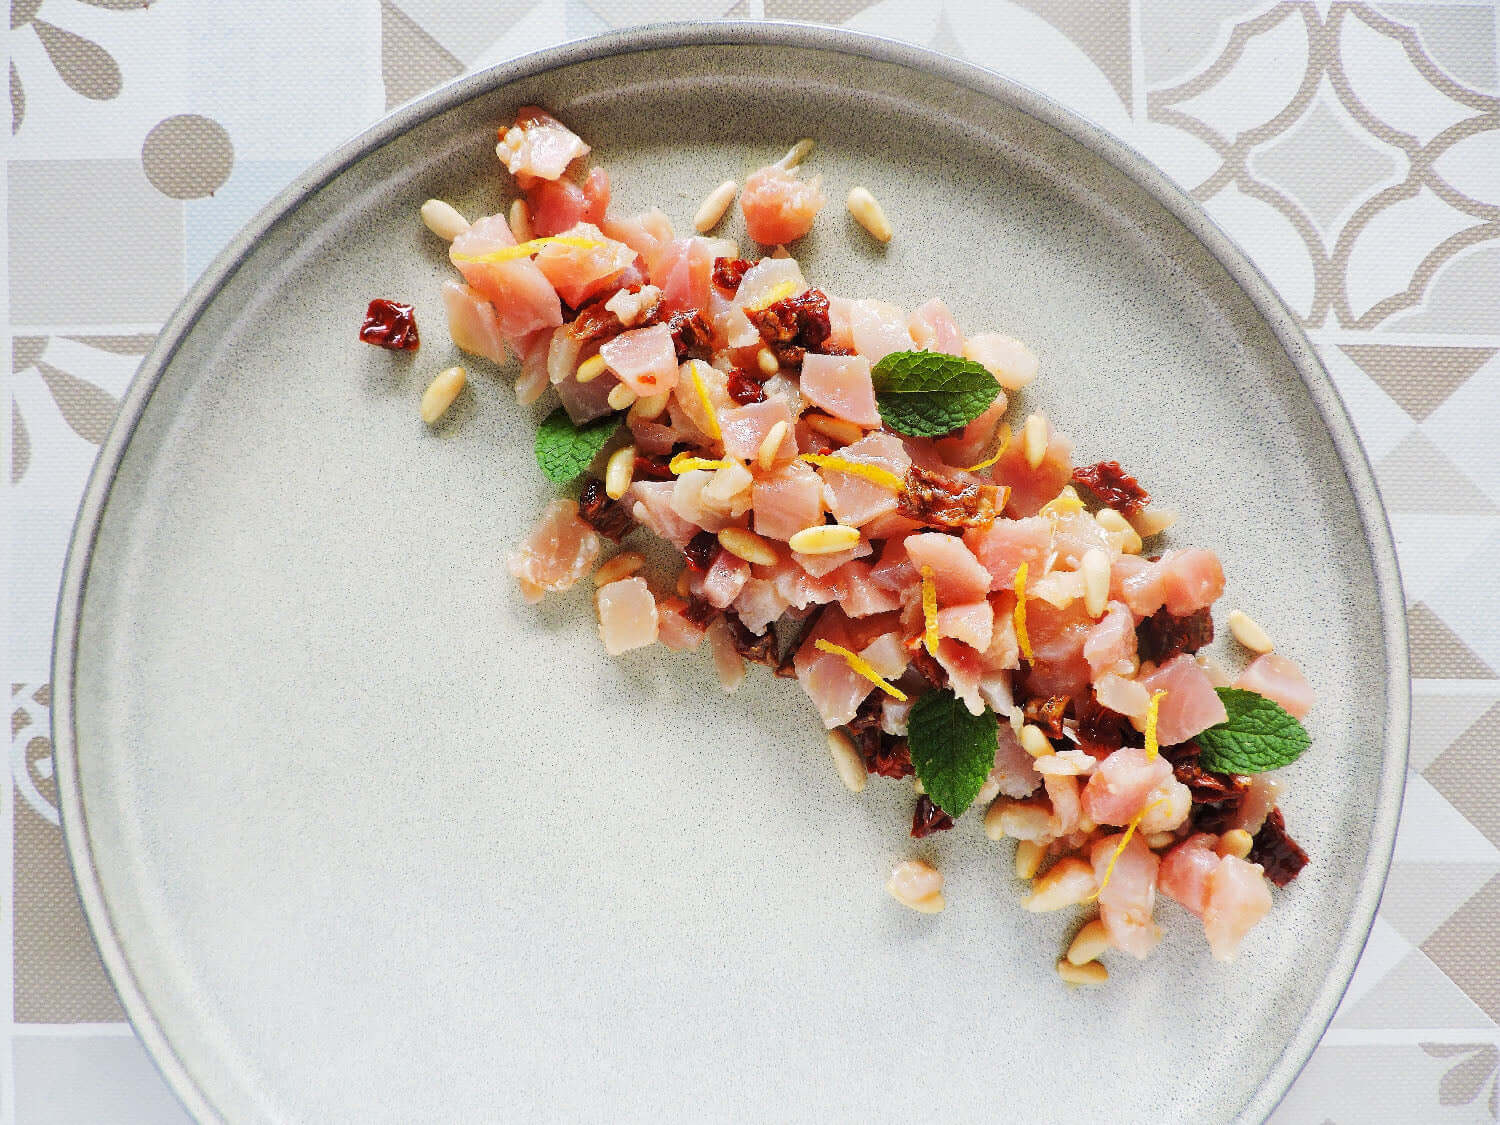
686	463
780	293
1120	847
527	249
1004	434
873	473
1151	711
708	405
1065	503
862	666
929	611
1022	638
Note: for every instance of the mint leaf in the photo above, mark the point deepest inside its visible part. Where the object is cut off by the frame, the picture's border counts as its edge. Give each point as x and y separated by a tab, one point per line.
928	394
951	750
564	450
1259	735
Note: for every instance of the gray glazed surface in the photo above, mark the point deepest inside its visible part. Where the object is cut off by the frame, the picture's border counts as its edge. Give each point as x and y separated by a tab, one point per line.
363	837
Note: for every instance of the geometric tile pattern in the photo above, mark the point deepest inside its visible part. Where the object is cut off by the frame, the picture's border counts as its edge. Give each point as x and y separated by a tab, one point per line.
1353	149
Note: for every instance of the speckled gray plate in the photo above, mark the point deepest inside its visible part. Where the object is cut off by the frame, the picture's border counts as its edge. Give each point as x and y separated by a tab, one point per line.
364	838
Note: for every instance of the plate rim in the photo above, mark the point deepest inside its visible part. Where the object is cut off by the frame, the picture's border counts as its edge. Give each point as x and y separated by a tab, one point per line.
1133	165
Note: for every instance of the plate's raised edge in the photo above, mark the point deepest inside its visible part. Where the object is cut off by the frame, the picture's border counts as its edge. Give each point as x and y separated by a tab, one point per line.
1239	267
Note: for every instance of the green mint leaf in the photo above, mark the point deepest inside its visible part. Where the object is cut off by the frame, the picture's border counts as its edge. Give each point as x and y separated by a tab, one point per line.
951	750
928	394
564	450
1259	735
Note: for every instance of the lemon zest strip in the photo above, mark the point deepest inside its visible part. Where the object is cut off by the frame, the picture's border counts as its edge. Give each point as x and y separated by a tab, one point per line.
686	463
708	405
1151	712
1000	449
862	666
1120	847
527	249
929	611
873	473
780	293
1022	637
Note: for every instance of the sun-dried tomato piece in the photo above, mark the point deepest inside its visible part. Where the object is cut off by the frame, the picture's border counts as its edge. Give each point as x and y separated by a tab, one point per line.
761	649
926	665
794	326
608	517
867	715
390	324
1113	485
927	818
1162	636
1098	726
891	756
701	550
1281	856
744	389
700	611
946	501
595	323
1207	787
691	335
648	467
728	273
1047	714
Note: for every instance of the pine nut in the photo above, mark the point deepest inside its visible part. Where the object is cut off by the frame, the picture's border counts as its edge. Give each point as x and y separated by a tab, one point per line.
1095	567
825	539
1213	670
1091	941
621	566
1029	855
1153	520
1120	533
713	208
917	885
987	792
443	219
650	408
1245	630
1090	973
743	543
1067	883
765	456
917	787
618	472
621	397
1035	439
1236	842
440	394
590	369
520	221
868	213
767	362
1034	742
684	585
796	154
847	761
845	433
1020	820
1158	840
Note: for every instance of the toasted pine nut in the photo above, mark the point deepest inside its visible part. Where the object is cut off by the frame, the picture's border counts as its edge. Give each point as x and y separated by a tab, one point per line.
651	407
1236	842
443	219
845	433
1153	520
621	566
743	543
987	792
1091	941
868	213
796	154
590	369
1034	742
1020	820
618	471
684	582
824	539
1213	670
621	397
520	220
1095	567
1067	883
1029	854
440	393
1035	439
917	885
917	787
847	761
781	252
713	208
1158	840
767	362
765	456
1092	972
1245	630
1118	528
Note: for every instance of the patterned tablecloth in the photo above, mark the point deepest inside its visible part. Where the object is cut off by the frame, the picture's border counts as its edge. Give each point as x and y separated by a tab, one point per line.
1352	148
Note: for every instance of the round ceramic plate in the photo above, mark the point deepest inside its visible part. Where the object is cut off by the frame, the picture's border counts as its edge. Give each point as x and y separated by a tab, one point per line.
363	837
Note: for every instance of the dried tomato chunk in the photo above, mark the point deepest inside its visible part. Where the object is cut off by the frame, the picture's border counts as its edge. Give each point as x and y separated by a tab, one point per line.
1098	726
608	517
1047	714
594	322
761	649
701	550
691	335
744	389
1281	856
927	818
926	665
700	611
794	326
1162	636
890	756
1113	485
1207	787
946	501
648	467
728	273
390	324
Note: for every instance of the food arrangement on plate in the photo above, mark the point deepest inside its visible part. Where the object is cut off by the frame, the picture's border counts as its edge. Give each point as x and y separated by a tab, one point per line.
962	604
